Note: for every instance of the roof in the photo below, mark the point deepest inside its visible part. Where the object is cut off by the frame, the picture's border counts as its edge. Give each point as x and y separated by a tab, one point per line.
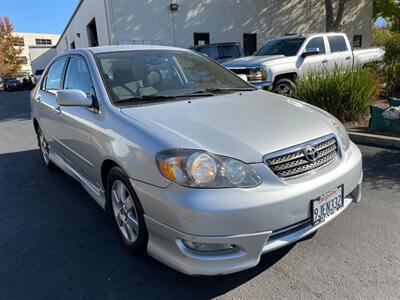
118	48
216	44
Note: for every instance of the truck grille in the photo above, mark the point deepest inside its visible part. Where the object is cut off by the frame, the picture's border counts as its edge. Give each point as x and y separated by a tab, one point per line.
241	71
304	158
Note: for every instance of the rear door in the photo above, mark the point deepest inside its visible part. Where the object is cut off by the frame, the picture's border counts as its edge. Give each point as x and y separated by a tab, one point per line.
341	54
74	126
314	63
48	107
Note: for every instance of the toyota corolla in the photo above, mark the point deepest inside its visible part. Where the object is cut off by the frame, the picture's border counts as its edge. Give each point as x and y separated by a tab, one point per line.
197	167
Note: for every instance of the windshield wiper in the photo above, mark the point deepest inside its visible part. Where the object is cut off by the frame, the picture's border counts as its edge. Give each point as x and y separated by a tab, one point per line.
223	90
147	98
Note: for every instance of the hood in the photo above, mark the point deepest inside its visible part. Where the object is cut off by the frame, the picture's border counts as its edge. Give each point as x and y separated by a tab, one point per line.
244	125
251	61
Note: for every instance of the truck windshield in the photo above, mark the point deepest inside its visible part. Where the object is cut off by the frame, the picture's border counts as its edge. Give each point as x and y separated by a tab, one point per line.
162	75
286	47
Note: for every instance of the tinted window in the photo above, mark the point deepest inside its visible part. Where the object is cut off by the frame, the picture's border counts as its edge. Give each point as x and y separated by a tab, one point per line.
53	81
337	43
210	51
229	51
286	47
317	42
77	76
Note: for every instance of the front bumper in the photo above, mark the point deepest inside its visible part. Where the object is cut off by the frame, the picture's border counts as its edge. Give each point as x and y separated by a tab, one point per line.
266	85
255	221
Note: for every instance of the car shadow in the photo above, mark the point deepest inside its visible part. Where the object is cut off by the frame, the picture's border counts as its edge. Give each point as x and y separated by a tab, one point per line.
55	242
382	169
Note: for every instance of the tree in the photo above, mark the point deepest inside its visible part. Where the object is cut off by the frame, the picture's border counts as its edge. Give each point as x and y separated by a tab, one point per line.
9	63
333	23
388	10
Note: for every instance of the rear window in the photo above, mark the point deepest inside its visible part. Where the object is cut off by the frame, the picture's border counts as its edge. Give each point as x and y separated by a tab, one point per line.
211	52
229	51
337	43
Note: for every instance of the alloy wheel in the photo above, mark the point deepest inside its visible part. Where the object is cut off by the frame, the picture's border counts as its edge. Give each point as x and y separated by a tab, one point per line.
44	147
284	89
124	211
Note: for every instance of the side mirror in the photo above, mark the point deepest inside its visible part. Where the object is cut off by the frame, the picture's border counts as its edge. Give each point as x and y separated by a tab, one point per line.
243	77
73	98
309	52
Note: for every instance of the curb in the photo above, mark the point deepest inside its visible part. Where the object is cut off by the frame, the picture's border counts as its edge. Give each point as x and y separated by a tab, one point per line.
375	140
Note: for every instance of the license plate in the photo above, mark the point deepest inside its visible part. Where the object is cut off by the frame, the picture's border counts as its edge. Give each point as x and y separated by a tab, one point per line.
326	205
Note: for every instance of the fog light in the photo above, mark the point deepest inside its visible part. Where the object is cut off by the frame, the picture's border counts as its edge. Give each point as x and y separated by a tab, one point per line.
201	247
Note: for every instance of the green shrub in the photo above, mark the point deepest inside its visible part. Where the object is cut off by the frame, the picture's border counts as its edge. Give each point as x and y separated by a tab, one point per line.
391	62
379	36
344	93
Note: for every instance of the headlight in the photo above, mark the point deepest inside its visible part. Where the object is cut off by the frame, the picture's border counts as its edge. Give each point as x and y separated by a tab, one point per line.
200	169
341	133
257	74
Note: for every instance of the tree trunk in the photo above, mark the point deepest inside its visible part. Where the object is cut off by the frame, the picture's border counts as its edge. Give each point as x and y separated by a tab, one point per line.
332	23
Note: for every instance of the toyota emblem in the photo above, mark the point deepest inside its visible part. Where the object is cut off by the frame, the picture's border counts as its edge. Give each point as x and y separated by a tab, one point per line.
311	153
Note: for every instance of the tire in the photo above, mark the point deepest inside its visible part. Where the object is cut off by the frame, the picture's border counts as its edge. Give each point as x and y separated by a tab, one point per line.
284	87
126	211
44	148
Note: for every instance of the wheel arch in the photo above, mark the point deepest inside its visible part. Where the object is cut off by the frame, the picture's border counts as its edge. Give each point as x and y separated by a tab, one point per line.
35	125
291	76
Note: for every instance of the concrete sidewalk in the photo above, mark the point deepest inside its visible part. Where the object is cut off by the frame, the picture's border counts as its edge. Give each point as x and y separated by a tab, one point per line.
375	140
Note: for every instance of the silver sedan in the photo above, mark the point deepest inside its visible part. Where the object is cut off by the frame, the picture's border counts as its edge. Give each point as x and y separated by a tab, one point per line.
197	168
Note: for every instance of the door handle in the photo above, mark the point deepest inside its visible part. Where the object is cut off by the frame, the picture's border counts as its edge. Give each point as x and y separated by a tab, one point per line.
348	57
57	110
325	61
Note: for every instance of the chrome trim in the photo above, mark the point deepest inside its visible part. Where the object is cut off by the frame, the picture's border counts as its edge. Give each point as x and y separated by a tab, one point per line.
300	148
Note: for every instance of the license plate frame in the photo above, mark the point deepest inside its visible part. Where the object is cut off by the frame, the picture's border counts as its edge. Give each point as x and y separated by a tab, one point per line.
327	204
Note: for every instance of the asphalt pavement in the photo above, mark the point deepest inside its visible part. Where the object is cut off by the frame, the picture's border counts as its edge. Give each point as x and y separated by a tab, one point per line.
56	243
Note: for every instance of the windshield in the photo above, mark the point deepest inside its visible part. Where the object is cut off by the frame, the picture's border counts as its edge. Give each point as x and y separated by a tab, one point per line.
145	75
286	47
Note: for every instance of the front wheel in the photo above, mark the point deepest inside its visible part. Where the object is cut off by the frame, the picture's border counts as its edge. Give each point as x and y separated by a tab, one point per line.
127	212
284	87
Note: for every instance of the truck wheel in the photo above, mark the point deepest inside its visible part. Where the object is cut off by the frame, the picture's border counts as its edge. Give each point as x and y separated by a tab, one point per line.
284	87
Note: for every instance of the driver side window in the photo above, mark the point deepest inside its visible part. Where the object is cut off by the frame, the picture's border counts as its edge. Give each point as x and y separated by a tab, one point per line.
317	42
77	76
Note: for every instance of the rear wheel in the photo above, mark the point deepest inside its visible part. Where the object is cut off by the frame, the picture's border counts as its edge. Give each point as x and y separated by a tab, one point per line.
284	87
126	211
44	148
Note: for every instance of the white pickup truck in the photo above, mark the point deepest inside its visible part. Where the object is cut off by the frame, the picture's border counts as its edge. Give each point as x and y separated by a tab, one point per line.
281	60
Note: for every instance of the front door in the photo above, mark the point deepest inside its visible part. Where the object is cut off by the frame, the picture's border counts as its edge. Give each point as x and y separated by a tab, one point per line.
317	62
74	122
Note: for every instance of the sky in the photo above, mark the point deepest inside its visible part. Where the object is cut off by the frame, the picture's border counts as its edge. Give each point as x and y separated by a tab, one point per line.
38	16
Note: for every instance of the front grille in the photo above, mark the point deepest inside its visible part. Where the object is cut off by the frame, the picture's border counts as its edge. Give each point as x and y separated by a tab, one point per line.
241	71
294	161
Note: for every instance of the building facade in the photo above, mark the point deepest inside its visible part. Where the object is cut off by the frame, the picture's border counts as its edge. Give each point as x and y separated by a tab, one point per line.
26	41
185	23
